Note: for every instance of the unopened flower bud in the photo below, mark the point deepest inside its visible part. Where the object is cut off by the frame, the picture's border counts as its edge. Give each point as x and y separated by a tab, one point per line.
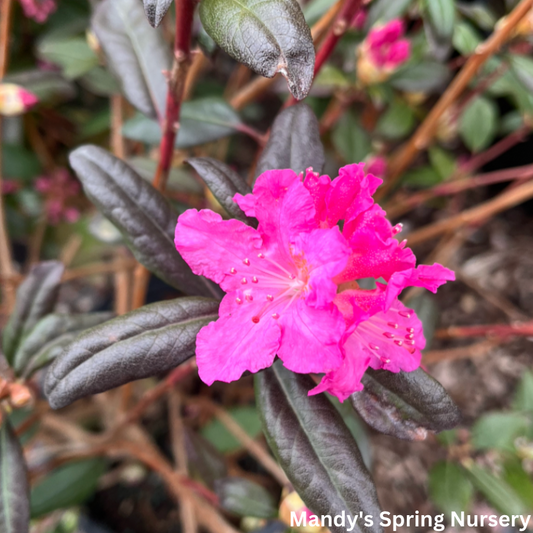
15	100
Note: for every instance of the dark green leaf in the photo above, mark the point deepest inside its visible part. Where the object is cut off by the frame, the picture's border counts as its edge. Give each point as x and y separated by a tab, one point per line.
48	353
245	498
422	177
68	485
50	327
405	405
268	36
498	430
441	16
449	488
294	142
515	475
479	123
426	76
140	344
137	54
397	121
140	212
155	10
204	460
36	297
217	434
522	66
442	161
478	12
101	82
382	11
350	139
201	121
523	400
14	488
19	162
497	492
315	448
224	183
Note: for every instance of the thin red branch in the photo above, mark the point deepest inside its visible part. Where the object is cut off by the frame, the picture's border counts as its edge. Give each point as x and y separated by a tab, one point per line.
490	330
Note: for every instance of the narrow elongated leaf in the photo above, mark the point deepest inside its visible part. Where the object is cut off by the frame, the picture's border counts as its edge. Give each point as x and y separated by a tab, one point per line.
245	498
426	76
294	142
14	488
48	353
36	297
48	328
140	212
441	15
140	344
350	140
479	123
315	448
67	486
381	11
201	121
137	54
223	182
155	10
204	460
269	36
522	67
405	405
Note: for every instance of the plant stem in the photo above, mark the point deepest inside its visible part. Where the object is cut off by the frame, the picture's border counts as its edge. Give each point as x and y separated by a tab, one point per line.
424	134
176	86
6	263
346	14
489	330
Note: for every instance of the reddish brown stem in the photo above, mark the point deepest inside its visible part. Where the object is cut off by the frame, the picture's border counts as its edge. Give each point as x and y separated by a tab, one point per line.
493	330
346	14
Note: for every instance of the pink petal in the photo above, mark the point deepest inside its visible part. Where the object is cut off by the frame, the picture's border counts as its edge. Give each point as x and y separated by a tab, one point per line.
347	379
310	338
324	253
430	277
246	203
350	193
318	187
399	53
235	343
216	248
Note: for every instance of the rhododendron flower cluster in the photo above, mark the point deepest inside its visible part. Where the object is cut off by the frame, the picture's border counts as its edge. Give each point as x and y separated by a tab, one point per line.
38	10
60	189
291	284
15	100
382	52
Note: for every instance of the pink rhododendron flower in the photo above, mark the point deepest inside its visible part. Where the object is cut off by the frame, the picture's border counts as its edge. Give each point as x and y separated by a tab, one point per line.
382	52
377	166
59	189
278	280
15	100
38	10
292	284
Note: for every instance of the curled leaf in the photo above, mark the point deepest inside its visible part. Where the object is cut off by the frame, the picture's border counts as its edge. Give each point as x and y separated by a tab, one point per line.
268	36
294	142
315	448
141	213
155	10
140	344
36	297
405	405
223	182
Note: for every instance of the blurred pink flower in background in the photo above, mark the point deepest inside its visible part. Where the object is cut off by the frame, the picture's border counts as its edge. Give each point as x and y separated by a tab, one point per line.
9	186
377	166
60	189
382	52
359	20
15	100
38	10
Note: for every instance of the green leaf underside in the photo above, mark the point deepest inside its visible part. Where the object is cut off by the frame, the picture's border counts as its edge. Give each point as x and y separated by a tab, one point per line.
139	344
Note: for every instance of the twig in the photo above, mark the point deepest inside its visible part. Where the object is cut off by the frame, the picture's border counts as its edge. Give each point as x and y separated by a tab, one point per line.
463	352
98	268
117	140
397	208
423	135
6	263
505	200
188	519
36	241
176	86
253	447
259	85
501	331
